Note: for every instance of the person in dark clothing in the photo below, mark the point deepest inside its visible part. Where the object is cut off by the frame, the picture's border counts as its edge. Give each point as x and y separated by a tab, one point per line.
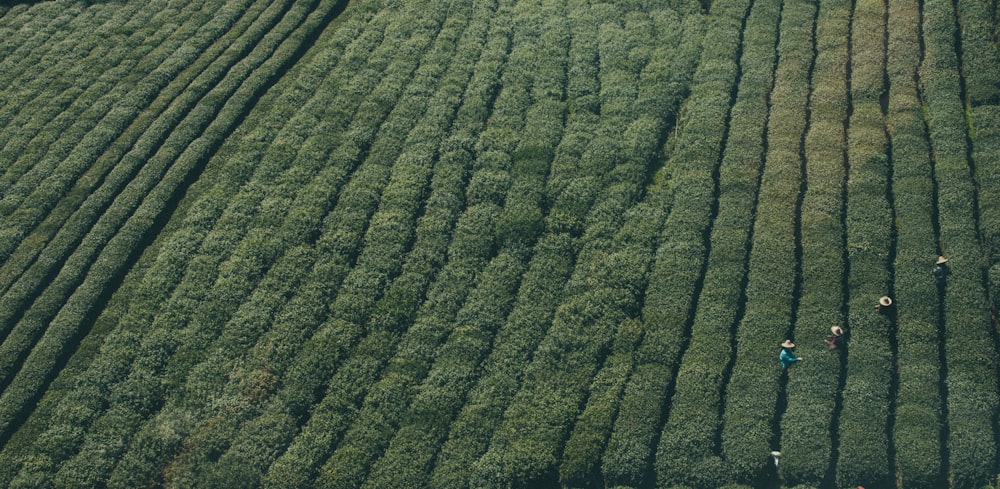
885	305
940	269
835	339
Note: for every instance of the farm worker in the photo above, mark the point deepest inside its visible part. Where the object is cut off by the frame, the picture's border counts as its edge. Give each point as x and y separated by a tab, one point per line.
787	356
836	338
884	305
940	269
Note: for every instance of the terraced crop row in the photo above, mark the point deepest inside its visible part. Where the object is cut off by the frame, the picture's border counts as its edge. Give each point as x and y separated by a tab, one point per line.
970	383
918	428
809	423
266	243
123	226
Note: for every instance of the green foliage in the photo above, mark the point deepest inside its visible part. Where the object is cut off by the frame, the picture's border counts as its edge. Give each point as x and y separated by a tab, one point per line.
986	154
970	384
496	244
687	452
980	53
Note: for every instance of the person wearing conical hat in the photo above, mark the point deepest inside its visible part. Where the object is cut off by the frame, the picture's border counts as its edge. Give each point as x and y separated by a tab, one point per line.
940	269
835	339
787	356
884	305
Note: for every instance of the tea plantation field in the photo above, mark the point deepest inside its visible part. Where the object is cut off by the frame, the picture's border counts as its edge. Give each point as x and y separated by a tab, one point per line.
499	244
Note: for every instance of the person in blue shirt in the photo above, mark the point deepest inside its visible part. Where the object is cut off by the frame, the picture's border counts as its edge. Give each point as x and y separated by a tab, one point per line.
787	356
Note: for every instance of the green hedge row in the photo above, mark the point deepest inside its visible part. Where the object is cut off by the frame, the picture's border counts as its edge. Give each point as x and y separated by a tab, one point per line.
467	249
41	30
587	444
520	453
687	453
427	392
226	118
863	450
332	415
126	387
87	61
469	433
373	420
79	408
985	155
664	78
82	214
752	395
409	456
154	294
580	460
21	338
526	445
449	373
628	457
469	252
355	207
27	56
517	225
807	442
400	299
971	383
582	81
980	61
918	421
85	158
37	22
53	102
91	152
551	263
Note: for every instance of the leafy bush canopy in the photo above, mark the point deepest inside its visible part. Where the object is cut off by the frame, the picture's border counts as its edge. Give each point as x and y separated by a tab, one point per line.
474	244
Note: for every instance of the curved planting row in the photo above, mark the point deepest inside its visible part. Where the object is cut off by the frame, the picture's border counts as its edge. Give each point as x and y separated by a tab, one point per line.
602	288
339	445
986	155
469	244
688	452
62	85
969	334
14	18
88	139
410	408
68	223
247	450
808	425
86	66
663	82
159	293
325	221
156	173
372	153
331	415
406	404
408	457
552	258
687	195
89	164
753	395
27	52
980	54
864	444
267	59
918	423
